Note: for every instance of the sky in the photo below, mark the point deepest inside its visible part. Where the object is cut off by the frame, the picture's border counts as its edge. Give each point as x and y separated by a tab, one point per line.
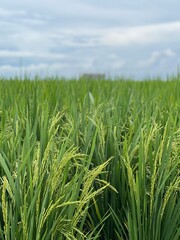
131	39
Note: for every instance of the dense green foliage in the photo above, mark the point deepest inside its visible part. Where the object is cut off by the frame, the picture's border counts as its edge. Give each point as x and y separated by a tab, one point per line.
89	160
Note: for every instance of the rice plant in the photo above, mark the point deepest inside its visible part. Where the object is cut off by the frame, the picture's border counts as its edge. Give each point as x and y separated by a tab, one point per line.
89	159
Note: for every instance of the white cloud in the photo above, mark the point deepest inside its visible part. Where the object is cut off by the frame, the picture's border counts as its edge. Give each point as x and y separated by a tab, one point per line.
147	34
169	53
118	64
28	54
40	69
156	57
129	36
11	13
31	21
29	40
25	37
74	9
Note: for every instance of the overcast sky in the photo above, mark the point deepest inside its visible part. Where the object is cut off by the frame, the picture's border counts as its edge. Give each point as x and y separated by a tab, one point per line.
120	38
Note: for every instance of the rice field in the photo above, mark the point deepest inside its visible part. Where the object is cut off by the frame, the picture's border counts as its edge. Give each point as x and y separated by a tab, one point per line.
89	159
